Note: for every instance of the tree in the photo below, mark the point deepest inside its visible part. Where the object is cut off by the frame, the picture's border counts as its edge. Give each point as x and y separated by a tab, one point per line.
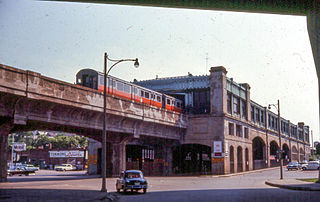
318	149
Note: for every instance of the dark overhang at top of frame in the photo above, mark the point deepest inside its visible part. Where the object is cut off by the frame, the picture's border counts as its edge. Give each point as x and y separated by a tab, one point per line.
288	7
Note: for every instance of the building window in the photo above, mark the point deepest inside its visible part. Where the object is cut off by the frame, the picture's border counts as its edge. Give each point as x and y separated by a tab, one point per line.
262	116
272	122
231	129
244	109
252	113
246	132
236	105
239	130
229	102
258	115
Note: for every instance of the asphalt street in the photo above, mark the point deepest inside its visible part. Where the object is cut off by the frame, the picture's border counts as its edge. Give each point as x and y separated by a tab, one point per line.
76	186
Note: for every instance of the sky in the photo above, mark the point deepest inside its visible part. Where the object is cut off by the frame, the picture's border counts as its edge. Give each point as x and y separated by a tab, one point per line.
271	53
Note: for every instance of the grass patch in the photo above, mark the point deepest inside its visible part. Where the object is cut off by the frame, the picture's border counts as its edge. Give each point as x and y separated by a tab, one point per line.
310	180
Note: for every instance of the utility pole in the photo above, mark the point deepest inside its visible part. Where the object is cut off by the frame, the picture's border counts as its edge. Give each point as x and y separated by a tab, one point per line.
280	145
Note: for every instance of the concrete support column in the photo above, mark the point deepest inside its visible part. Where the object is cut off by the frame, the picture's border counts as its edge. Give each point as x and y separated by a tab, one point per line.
169	159
93	147
5	128
313	24
118	158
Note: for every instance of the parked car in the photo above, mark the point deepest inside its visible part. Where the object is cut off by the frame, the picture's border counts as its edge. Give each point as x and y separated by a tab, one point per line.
312	165
30	167
303	164
133	180
65	167
293	166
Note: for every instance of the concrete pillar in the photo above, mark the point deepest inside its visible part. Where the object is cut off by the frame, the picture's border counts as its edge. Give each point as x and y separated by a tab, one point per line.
5	128
93	147
118	158
313	19
218	92
168	159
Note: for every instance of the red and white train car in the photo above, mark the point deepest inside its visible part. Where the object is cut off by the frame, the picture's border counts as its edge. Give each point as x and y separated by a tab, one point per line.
120	88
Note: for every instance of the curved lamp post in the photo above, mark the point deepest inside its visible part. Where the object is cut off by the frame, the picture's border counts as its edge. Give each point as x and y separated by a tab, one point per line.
277	106
104	135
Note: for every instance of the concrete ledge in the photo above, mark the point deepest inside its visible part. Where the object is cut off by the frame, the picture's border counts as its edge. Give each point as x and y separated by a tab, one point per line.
294	185
240	173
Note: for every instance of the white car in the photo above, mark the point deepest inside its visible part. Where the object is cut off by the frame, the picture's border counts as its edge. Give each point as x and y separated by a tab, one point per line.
312	165
65	167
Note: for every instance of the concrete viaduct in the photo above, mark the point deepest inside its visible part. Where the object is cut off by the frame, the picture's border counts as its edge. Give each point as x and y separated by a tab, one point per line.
30	101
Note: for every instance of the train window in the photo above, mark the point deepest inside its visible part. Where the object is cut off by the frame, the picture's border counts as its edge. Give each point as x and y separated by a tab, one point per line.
142	93
178	104
101	80
152	96
85	79
158	98
126	88
110	82
79	81
146	95
135	91
94	82
114	83
119	86
168	102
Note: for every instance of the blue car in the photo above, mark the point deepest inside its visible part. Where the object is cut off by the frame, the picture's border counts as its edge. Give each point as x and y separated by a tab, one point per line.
131	180
293	166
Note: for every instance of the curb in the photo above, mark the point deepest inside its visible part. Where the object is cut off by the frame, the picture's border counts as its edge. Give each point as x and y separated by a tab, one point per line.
292	187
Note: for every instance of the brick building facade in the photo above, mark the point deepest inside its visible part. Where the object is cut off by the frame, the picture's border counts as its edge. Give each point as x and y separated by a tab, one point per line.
221	114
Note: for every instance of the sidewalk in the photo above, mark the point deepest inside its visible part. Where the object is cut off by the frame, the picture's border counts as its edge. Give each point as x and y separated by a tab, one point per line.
294	184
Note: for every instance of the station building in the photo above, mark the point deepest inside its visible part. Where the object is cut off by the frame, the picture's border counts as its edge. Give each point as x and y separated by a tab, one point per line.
227	132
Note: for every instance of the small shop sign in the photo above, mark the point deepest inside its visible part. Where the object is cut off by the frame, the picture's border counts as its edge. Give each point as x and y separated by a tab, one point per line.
66	154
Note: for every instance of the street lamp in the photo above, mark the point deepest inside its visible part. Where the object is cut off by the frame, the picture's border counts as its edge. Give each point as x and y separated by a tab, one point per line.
104	135
279	133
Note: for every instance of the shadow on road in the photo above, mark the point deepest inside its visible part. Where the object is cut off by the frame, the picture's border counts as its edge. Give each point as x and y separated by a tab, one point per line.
263	195
50	195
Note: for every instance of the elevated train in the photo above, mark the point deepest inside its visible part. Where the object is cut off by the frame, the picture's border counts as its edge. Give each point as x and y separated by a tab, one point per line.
93	79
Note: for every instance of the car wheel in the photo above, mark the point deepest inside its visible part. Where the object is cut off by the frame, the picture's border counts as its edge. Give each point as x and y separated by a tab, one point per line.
124	190
145	190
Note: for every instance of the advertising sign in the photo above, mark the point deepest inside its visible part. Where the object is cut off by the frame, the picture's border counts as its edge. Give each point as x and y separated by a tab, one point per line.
66	154
217	149
19	146
217	146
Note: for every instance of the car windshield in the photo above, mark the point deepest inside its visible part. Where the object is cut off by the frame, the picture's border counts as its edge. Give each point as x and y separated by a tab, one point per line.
133	175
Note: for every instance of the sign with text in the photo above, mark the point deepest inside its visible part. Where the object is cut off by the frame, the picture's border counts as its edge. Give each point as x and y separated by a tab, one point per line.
19	146
217	146
66	154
